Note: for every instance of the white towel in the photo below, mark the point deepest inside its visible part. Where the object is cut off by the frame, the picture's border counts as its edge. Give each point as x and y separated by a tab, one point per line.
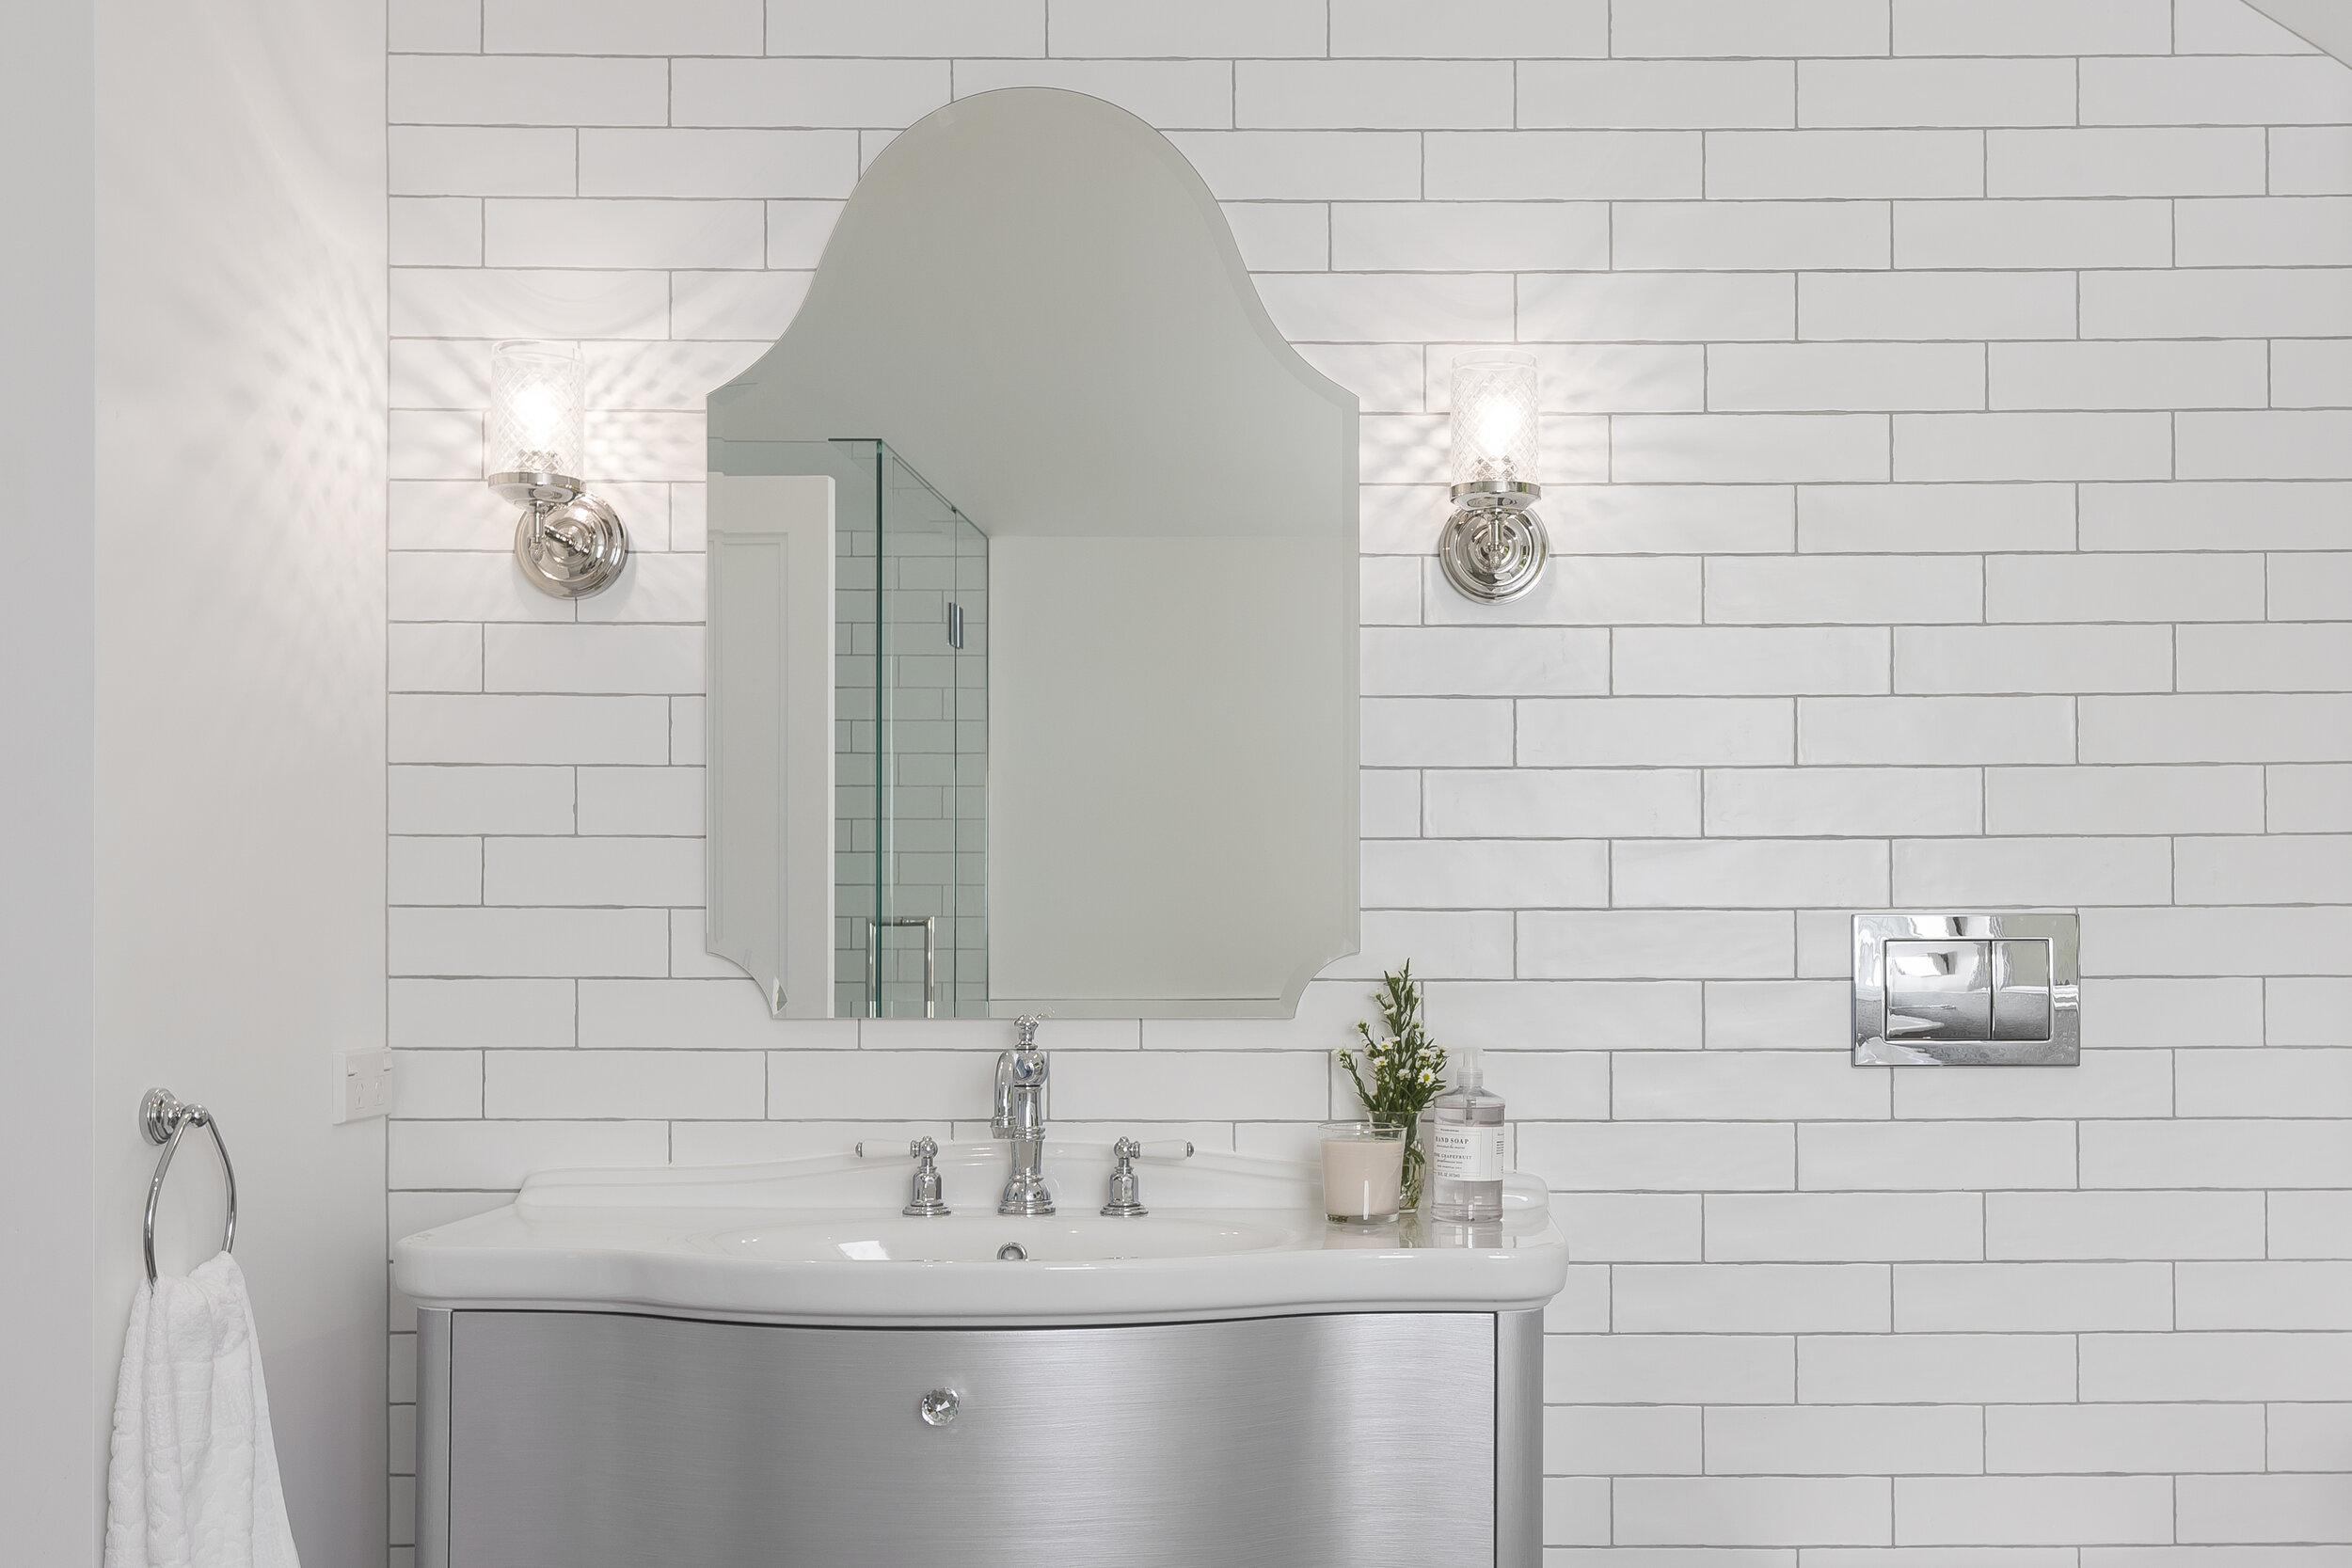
193	1482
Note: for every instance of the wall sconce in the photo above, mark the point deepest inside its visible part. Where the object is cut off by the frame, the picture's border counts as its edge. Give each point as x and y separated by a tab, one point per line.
1493	547
568	543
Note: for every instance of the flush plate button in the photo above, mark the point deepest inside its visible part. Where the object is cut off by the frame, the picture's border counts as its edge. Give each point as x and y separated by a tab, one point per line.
1939	991
1966	990
2021	990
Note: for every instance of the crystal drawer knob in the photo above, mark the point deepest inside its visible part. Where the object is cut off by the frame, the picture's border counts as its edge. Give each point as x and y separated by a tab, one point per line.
938	1407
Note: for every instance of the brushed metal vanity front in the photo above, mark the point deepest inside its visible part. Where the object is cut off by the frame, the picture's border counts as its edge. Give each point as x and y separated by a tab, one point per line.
605	1440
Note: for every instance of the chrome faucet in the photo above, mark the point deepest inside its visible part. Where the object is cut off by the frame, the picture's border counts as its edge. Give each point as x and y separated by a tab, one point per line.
1020	1118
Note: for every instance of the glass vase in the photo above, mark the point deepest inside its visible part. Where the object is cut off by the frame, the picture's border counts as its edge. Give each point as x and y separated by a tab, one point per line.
1416	1165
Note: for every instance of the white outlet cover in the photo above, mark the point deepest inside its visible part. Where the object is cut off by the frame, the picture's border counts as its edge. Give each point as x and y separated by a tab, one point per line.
363	1083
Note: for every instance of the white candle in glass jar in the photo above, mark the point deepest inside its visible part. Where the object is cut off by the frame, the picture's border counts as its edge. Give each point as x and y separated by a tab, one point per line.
1364	1170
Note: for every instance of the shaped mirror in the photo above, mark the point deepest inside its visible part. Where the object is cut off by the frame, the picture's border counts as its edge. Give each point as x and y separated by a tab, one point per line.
1033	601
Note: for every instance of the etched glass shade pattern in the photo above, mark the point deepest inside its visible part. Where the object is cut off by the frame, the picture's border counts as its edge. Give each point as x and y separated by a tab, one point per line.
538	403
1494	419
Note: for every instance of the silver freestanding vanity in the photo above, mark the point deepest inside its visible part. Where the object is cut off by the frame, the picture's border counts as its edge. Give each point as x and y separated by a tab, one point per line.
771	1366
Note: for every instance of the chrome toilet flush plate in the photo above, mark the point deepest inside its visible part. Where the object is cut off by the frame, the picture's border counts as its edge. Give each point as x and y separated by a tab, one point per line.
1967	991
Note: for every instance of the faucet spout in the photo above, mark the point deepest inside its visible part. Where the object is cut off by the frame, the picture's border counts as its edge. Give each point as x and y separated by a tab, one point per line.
1020	1119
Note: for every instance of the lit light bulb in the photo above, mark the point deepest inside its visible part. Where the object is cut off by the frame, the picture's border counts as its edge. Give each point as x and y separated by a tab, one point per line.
1497	426
537	416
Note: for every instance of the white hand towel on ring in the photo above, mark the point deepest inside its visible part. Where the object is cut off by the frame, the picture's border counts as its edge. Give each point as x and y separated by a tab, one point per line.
193	1478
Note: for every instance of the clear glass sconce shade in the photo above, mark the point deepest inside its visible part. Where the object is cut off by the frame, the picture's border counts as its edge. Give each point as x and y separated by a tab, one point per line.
1494	547
538	411
1494	419
568	542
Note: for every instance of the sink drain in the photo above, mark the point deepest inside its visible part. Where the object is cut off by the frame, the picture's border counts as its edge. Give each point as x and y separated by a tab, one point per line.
1012	1252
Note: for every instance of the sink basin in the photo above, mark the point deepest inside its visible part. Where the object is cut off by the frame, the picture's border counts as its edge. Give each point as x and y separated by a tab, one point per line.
822	1240
976	1238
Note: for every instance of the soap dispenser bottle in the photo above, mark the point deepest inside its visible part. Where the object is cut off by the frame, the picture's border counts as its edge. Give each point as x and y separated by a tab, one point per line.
1466	1147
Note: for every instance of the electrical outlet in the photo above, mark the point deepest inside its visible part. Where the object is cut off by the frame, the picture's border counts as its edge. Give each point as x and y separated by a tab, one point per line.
363	1083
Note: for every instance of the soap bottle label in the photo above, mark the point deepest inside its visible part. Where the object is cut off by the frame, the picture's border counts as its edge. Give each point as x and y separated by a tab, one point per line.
1466	1152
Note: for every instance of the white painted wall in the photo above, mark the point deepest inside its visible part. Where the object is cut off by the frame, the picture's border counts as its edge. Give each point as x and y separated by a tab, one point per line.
1948	410
49	1475
195	725
240	731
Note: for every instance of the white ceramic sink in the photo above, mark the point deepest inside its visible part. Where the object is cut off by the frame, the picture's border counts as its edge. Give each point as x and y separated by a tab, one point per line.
822	1240
974	1238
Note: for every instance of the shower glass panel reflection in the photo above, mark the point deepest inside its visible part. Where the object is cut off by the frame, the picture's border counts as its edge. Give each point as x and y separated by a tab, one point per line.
924	825
911	742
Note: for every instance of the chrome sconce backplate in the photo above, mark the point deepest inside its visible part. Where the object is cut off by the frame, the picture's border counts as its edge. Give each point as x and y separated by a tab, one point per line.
1494	545
568	543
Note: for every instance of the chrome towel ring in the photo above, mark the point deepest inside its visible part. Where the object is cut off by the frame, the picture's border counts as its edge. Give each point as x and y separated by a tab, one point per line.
164	1117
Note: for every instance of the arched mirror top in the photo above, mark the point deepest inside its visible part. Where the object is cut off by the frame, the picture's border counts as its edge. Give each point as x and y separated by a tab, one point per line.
1002	245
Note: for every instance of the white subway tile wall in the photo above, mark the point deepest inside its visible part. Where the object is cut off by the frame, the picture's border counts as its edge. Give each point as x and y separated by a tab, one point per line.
1950	412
